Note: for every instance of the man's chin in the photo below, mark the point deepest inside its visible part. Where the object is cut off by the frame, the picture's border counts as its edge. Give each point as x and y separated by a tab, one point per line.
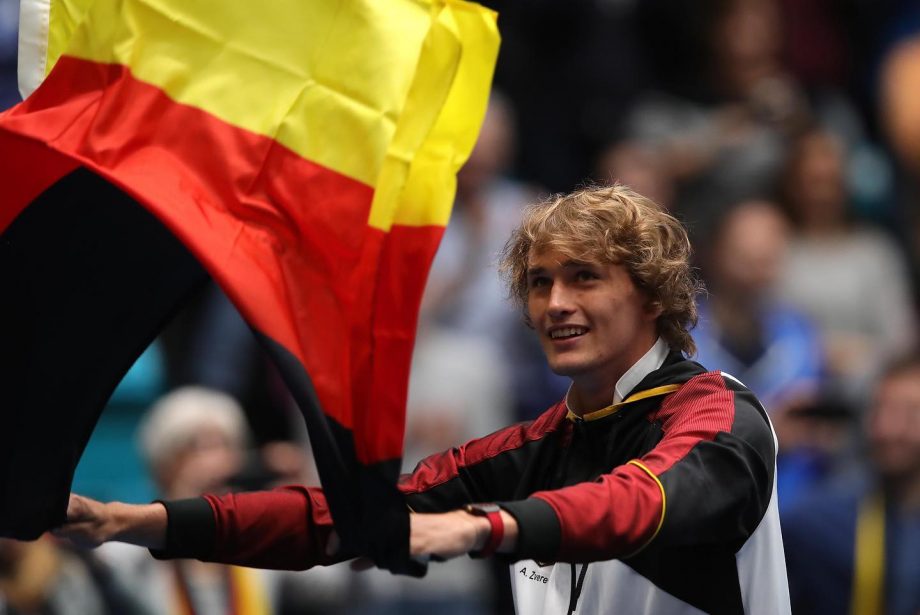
569	369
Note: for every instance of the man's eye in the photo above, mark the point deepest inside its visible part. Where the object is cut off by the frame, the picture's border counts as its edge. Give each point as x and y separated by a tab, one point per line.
538	282
585	275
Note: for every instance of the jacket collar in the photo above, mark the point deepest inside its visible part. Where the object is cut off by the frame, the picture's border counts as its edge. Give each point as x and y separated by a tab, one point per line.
652	360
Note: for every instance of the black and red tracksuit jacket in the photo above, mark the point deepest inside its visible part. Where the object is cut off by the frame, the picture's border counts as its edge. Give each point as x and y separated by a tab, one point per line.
668	496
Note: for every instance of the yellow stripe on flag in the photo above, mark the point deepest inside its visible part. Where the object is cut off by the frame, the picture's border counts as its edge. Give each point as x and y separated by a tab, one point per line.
347	84
64	16
431	183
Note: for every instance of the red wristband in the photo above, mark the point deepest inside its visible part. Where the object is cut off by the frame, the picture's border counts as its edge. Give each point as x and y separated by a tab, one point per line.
493	513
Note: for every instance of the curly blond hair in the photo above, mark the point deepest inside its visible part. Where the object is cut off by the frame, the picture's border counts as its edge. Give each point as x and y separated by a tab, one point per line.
614	224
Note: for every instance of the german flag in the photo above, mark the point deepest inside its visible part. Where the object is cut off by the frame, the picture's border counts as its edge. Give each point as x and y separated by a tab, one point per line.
303	154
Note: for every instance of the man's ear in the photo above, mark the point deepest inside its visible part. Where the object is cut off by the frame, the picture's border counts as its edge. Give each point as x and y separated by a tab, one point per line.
653	309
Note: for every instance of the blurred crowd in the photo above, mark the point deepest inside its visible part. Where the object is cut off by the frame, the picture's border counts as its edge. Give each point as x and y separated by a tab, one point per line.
784	133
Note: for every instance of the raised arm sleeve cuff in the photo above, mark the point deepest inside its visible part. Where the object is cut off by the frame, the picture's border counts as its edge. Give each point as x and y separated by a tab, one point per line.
539	532
190	530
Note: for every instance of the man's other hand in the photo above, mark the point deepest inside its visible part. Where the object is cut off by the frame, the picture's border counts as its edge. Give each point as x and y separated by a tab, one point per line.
90	523
448	535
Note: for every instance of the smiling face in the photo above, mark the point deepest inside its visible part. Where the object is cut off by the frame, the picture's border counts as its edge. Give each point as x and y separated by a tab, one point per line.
592	321
616	309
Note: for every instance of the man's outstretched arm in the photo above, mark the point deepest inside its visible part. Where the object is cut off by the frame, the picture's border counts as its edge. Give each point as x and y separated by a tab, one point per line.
446	535
287	528
291	528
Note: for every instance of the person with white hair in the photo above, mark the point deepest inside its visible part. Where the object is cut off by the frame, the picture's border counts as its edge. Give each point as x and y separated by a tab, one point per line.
194	441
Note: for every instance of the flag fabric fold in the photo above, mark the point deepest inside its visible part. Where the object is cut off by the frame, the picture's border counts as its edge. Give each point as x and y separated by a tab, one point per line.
304	157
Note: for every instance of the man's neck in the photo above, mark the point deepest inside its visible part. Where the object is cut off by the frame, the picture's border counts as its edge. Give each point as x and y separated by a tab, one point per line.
583	397
590	394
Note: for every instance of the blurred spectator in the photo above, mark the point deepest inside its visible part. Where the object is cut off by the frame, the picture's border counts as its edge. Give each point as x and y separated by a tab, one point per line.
726	141
815	41
45	577
816	439
194	442
900	117
639	166
770	346
459	389
743	329
900	82
728	144
852	280
571	69
854	546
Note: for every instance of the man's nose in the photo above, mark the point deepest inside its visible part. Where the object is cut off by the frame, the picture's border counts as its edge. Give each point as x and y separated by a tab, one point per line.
560	300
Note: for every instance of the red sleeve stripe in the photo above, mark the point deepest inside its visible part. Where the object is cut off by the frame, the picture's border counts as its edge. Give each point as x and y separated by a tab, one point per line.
294	539
591	532
700	410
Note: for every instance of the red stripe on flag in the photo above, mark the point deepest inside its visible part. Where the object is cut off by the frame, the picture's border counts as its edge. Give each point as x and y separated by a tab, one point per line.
404	263
18	161
286	238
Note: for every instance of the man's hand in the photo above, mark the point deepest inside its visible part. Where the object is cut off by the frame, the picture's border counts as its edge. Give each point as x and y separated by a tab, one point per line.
90	523
448	535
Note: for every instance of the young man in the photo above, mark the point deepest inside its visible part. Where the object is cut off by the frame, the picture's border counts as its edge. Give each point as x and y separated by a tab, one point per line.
647	490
